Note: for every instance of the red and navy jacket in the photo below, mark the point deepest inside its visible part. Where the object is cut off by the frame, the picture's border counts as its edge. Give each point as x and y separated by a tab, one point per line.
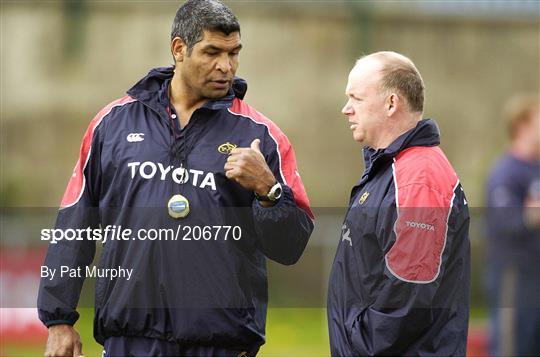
400	279
193	292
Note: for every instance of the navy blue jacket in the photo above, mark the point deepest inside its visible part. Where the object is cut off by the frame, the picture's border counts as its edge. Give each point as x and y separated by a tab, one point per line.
400	280
510	241
193	292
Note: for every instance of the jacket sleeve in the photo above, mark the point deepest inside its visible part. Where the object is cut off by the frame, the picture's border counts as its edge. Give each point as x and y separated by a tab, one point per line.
58	296
416	262
283	229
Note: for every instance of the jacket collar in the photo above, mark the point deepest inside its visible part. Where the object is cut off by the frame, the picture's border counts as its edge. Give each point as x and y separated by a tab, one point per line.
426	133
152	90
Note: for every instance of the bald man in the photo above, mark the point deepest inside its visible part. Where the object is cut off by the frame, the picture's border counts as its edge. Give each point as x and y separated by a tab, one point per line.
400	280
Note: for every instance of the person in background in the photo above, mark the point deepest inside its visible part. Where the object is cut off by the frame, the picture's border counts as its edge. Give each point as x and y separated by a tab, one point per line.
513	235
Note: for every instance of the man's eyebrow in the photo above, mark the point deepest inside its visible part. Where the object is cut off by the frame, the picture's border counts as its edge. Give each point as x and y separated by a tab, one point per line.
215	48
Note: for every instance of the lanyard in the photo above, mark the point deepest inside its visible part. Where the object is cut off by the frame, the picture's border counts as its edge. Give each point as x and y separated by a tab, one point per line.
184	143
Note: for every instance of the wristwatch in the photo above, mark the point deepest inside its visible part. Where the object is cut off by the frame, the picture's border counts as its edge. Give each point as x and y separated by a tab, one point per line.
273	195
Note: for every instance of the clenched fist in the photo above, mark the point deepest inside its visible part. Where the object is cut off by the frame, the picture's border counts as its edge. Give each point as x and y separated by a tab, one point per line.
248	168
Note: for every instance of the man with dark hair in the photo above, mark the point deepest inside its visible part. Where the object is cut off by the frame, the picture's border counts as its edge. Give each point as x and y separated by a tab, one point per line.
181	153
513	235
400	280
194	17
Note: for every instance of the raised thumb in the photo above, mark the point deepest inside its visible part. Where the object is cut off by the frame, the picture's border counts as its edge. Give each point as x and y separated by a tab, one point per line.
255	145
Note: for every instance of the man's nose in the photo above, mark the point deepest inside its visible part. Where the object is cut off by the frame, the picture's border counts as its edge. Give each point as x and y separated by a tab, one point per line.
224	64
347	109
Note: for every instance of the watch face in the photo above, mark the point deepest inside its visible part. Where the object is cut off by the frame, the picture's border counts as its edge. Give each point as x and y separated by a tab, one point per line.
275	192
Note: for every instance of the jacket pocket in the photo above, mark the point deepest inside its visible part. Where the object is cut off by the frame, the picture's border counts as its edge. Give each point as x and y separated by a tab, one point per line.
355	335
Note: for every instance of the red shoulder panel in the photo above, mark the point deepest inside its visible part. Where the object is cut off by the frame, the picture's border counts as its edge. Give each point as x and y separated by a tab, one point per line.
76	184
287	159
424	183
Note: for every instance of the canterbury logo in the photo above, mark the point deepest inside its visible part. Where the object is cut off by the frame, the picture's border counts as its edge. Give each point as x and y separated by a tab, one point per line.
419	225
135	137
226	148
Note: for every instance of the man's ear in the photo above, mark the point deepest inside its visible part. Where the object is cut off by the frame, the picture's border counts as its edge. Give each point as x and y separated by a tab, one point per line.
393	101
178	49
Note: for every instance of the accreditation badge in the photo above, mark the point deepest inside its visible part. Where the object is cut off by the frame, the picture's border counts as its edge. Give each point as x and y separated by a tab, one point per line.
178	206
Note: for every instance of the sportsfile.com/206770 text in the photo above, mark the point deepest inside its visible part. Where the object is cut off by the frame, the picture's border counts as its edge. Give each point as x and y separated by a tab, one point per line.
113	232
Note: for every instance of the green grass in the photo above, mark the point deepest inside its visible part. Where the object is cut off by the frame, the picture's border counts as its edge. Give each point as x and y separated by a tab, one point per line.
296	332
